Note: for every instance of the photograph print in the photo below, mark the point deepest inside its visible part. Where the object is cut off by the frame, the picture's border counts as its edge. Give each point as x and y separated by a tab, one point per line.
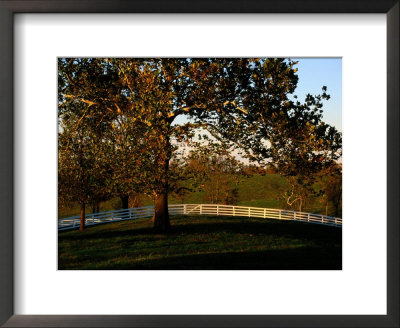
199	163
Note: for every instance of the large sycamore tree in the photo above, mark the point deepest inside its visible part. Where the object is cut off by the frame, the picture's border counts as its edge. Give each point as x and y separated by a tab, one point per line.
246	102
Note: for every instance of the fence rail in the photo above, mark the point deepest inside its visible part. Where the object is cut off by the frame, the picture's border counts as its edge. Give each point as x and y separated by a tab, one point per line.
199	209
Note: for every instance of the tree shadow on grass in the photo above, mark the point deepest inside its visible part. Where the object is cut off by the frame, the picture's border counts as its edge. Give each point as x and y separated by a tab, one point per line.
234	225
119	247
302	258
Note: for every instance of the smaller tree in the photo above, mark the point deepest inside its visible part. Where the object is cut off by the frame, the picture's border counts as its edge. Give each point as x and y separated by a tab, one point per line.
301	145
135	200
180	177
300	189
331	187
181	192
252	169
217	172
82	168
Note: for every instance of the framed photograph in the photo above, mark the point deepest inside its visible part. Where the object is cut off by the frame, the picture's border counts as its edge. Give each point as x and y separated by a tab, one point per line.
112	94
187	189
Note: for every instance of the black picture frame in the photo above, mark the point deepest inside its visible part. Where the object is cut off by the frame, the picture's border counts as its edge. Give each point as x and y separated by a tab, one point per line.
10	7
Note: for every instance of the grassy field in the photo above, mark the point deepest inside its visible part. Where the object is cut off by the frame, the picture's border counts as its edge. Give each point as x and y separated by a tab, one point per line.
203	242
257	191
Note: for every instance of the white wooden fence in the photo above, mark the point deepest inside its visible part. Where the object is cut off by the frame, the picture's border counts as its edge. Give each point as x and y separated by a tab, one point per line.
199	209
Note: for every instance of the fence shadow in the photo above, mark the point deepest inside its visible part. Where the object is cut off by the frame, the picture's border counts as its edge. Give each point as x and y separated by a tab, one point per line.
226	224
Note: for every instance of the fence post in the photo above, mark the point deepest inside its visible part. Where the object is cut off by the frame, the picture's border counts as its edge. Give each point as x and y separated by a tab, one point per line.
294	216
184	208
280	215
201	209
249	211
322	219
217	209
233	207
265	213
73	223
308	217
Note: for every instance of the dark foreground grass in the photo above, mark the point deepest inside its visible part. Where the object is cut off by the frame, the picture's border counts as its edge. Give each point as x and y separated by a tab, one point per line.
203	242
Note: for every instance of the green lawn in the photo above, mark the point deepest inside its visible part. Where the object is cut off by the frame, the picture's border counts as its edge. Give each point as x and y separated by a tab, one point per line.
203	242
257	190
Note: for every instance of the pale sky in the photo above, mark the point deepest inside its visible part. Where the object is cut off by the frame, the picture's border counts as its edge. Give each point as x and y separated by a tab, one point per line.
313	74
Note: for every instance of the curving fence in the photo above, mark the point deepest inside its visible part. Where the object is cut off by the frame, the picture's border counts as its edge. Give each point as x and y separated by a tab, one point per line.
199	209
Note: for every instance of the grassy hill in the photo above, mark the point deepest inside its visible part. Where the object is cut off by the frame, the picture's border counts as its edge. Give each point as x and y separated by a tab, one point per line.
257	191
203	242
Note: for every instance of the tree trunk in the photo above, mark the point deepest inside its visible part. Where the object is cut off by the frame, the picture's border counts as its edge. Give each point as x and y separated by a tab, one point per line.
337	209
125	201
326	208
161	216
135	200
95	207
82	219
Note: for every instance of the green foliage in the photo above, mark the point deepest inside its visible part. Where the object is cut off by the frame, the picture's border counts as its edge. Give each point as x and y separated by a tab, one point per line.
217	172
117	136
82	168
330	182
255	190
